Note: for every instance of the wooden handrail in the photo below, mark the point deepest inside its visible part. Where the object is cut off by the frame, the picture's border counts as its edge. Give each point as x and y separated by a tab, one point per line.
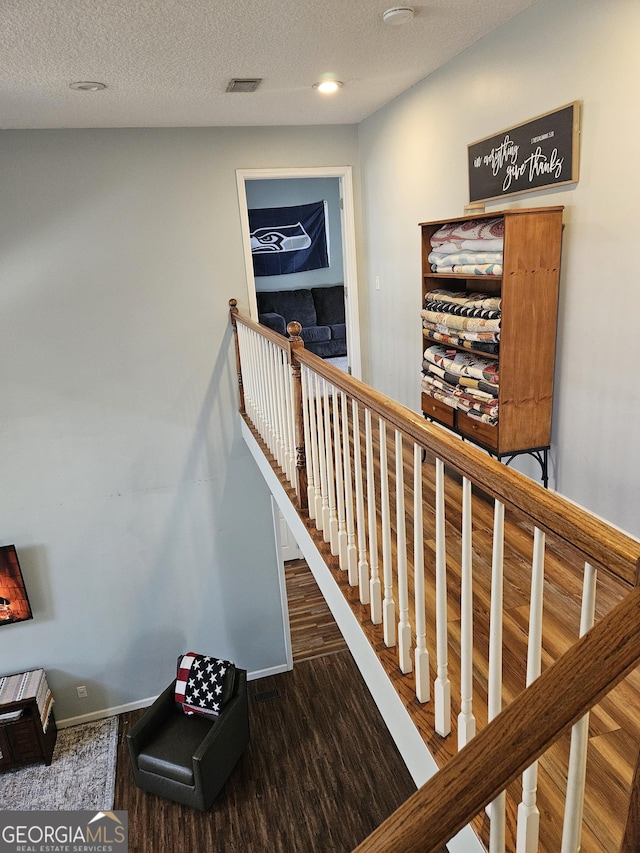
599	543
516	737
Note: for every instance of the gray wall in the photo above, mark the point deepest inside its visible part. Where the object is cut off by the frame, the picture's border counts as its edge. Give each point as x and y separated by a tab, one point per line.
141	522
283	192
413	162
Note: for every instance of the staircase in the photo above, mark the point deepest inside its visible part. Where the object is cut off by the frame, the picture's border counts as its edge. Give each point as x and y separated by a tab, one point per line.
488	615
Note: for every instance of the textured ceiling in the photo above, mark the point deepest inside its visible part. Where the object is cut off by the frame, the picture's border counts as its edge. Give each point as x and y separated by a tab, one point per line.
166	63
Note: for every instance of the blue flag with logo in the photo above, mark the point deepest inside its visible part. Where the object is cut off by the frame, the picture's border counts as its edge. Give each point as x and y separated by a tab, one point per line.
287	240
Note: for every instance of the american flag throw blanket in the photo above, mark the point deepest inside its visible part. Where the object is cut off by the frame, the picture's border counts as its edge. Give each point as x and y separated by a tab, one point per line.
204	684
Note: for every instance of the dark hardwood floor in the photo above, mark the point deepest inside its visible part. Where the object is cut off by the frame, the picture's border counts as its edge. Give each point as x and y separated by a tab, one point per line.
313	629
320	774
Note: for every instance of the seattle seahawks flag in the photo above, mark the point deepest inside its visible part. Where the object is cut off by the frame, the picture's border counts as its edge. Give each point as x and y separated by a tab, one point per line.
286	240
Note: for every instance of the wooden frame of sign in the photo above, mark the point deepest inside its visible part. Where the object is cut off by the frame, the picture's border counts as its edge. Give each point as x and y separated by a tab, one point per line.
540	153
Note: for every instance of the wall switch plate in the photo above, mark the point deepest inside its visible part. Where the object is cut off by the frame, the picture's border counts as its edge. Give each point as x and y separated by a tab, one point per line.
82	692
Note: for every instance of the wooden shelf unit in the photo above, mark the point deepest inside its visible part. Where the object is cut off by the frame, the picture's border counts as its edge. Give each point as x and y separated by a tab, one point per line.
528	287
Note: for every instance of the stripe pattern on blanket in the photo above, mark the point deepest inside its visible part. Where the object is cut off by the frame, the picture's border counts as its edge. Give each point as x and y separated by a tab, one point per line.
463	381
472	247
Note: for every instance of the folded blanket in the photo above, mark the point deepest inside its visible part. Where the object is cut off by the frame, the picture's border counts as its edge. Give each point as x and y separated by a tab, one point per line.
464	401
473	299
469	269
491	347
479	389
462	310
463	364
487	245
442	259
470	229
456	402
446	322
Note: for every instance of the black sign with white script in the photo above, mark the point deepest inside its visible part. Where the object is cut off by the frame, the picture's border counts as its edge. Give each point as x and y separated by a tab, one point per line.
540	153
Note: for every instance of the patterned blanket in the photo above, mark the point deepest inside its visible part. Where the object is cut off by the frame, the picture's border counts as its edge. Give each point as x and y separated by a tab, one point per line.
479	389
470	269
461	309
28	685
474	411
204	684
471	300
470	229
463	364
487	245
445	321
466	340
440	260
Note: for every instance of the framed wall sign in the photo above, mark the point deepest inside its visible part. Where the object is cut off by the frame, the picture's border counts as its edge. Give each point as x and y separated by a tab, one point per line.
539	153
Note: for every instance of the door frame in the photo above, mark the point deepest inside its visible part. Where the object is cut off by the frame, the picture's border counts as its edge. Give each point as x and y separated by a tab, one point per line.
348	231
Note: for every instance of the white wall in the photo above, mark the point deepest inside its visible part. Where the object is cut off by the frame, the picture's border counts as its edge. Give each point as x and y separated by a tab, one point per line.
142	524
283	192
413	161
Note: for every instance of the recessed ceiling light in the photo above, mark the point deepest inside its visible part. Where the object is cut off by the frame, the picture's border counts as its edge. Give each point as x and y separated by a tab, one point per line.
398	15
328	87
87	86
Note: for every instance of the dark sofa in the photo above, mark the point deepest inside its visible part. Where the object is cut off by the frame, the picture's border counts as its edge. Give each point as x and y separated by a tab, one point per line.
319	310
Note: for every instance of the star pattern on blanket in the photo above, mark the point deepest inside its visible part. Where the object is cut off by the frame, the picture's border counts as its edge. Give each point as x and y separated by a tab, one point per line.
204	686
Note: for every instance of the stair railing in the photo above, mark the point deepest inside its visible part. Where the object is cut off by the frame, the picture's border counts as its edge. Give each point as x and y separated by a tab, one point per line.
356	462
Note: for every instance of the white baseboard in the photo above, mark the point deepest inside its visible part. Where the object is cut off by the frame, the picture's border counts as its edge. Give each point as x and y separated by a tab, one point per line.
144	703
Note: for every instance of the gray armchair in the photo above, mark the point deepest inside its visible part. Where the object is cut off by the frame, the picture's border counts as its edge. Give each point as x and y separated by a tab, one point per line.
188	758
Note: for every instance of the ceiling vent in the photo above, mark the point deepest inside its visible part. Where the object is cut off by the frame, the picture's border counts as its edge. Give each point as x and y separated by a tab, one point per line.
247	84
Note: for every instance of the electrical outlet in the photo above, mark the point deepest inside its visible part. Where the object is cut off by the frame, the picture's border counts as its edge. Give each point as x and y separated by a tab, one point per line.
82	692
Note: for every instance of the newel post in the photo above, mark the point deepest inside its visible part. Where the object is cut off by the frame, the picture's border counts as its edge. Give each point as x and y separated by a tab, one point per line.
296	343
233	311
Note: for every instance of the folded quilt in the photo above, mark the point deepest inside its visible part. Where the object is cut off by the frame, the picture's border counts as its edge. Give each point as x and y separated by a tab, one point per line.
462	310
463	400
487	245
447	322
473	299
439	260
457	402
463	364
479	389
467	340
471	269
470	229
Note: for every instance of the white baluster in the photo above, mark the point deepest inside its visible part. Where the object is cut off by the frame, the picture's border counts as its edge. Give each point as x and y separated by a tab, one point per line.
388	604
576	774
315	450
496	809
404	627
442	685
333	518
337	444
466	720
291	420
421	654
323	515
352	551
306	413
528	814
375	593
363	565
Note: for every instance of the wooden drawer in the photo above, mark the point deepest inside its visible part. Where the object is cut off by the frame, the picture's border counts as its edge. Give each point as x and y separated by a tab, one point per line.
484	434
23	740
435	409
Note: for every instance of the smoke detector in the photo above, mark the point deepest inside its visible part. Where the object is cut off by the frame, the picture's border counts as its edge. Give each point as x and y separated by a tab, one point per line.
398	15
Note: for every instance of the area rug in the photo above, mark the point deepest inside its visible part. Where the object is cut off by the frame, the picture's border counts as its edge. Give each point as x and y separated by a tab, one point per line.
81	775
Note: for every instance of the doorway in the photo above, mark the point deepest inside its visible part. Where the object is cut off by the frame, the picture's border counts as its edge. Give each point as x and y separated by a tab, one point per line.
345	208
